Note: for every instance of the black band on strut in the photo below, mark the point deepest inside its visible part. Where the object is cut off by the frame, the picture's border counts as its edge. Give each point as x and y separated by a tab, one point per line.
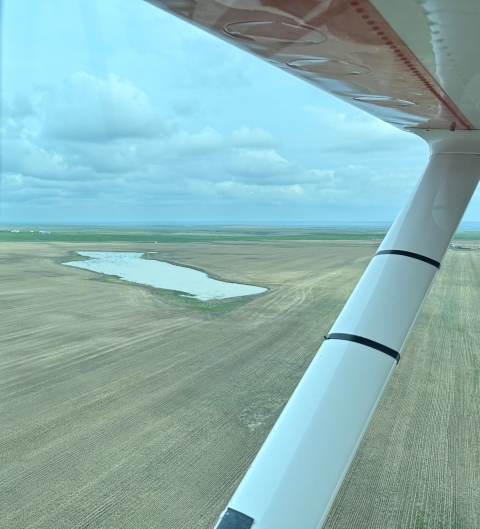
233	519
410	254
364	341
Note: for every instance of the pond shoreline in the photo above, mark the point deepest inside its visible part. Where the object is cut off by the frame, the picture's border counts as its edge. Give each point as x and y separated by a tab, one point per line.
184	281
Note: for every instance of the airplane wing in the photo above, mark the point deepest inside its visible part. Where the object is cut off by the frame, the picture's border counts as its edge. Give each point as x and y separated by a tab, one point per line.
414	64
409	63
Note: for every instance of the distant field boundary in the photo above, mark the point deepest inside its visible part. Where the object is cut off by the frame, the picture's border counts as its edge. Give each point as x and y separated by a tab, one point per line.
60	236
216	234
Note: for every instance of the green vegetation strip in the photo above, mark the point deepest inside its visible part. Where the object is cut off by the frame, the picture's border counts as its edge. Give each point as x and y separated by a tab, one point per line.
200	234
149	237
467	236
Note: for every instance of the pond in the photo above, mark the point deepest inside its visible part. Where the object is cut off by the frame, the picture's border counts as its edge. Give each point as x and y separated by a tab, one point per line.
130	267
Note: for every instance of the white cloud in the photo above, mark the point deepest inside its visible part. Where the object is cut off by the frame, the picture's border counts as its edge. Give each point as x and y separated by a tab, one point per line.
258	164
253	138
359	133
184	168
92	109
206	141
17	107
23	155
182	119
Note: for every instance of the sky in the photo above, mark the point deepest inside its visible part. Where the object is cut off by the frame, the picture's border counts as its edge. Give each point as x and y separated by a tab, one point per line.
114	111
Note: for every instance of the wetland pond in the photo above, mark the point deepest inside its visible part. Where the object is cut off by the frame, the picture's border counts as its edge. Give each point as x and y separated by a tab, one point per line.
131	267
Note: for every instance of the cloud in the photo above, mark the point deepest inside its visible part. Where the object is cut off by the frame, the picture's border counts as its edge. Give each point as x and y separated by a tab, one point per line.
186	107
102	141
23	155
255	138
17	107
206	141
92	109
184	168
181	119
358	133
264	164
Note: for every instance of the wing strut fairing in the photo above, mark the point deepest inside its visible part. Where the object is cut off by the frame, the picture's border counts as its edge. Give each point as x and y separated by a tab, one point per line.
415	65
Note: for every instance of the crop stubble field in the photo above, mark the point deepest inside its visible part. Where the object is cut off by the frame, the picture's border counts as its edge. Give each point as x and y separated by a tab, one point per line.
122	408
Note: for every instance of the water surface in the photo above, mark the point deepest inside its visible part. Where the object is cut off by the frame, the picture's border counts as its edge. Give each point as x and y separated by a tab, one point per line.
129	266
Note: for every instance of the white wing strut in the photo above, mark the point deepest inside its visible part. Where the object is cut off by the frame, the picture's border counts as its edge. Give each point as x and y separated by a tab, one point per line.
298	471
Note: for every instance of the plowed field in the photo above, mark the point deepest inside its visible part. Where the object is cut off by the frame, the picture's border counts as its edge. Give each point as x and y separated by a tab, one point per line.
419	463
121	408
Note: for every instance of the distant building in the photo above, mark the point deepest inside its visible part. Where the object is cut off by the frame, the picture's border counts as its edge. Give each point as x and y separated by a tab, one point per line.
15	231
44	232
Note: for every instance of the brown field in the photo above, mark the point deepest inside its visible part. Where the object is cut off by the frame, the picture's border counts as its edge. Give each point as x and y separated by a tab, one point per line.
121	408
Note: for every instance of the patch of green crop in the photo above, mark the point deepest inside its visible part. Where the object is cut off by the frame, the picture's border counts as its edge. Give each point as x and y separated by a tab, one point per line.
74	256
99	235
467	236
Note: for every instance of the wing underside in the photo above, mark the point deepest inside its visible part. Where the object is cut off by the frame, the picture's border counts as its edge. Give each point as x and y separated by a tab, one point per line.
412	64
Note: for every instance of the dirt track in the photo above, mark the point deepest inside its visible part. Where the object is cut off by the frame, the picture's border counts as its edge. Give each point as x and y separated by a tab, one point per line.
125	410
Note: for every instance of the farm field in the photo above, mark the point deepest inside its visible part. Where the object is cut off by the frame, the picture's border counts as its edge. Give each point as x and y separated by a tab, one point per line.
419	463
122	407
183	234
